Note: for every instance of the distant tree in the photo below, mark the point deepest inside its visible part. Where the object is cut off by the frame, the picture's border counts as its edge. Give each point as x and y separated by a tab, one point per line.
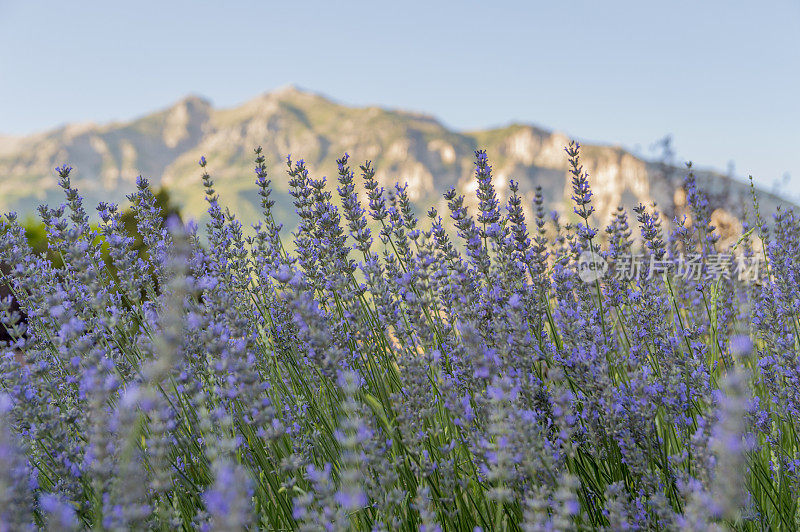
665	163
665	156
731	171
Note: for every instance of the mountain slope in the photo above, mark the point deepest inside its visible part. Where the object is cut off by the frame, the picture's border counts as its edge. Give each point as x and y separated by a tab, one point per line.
165	146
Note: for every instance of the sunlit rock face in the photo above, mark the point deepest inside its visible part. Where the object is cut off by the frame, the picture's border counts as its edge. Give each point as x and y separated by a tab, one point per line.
406	147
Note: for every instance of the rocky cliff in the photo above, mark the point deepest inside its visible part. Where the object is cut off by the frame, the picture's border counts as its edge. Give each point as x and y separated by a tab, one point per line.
416	148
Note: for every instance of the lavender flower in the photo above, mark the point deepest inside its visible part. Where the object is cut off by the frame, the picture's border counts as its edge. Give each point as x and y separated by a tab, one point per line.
447	375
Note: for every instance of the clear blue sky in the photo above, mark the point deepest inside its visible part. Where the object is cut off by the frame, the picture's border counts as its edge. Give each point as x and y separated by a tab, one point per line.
723	77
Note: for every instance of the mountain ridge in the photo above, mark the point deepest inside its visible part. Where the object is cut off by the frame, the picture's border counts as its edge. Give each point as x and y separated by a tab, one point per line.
404	146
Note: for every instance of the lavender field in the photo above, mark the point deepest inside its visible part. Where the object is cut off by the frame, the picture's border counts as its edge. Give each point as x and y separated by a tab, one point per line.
381	369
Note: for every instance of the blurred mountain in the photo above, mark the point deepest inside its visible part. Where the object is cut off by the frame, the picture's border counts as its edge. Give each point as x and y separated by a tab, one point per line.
404	146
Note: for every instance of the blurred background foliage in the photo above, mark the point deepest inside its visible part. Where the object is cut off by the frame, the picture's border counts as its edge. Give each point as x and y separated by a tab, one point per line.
36	231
